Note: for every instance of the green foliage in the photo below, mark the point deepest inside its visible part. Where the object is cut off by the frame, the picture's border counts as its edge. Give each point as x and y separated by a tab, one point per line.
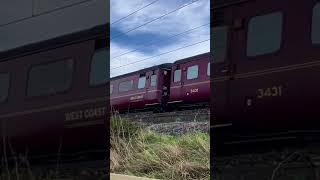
123	128
160	156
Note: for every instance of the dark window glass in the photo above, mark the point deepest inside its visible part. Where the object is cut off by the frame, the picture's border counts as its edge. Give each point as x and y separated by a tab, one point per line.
208	69
153	80
4	86
316	24
177	75
99	67
192	72
142	82
50	78
125	86
264	34
219	43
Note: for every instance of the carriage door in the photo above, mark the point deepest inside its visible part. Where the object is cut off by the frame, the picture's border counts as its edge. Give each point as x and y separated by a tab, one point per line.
258	52
221	68
165	85
177	84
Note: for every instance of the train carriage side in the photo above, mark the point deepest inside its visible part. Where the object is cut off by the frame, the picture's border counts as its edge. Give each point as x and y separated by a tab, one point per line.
271	69
146	89
190	82
53	95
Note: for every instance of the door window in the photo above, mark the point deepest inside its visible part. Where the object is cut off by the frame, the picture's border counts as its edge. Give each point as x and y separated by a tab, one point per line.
153	80
4	86
99	68
264	34
111	88
142	82
177	75
316	24
219	43
192	72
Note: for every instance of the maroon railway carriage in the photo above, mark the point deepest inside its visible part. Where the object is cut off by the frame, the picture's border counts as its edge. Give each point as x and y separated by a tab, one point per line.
266	64
190	82
144	89
53	95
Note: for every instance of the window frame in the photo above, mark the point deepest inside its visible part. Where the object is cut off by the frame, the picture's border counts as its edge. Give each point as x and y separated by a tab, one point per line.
155	75
174	75
195	65
111	89
208	68
145	81
74	64
9	88
227	45
283	20
89	72
123	82
312	24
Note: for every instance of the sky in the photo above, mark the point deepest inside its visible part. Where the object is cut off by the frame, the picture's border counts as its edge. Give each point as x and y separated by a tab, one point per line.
140	48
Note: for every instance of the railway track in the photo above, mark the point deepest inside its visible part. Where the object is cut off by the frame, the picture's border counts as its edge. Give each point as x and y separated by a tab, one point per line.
272	162
201	114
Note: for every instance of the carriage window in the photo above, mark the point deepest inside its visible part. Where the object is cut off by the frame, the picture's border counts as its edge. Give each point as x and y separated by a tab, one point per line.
99	67
219	43
142	82
125	86
50	78
153	80
264	34
4	86
111	88
208	69
192	72
177	75
316	24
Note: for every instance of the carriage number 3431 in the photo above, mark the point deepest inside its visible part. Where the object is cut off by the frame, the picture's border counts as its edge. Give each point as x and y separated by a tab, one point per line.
271	91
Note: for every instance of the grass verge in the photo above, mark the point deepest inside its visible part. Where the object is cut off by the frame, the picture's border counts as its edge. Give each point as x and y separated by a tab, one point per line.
136	151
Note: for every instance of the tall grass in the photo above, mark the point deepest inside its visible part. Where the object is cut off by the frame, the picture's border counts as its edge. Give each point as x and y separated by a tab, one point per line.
139	152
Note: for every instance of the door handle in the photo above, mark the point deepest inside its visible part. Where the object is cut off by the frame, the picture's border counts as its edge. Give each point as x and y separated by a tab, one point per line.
224	70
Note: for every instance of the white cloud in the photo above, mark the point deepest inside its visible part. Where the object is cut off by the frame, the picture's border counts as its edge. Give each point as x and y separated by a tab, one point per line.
189	17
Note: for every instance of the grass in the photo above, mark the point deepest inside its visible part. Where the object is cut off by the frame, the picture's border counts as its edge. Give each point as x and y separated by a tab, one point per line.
136	151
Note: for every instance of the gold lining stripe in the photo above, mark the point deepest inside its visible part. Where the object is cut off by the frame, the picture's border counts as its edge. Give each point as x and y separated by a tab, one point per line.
279	69
221	125
133	94
21	113
192	84
269	71
221	79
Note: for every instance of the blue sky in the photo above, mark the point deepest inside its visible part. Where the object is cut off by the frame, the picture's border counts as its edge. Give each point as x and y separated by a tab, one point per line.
158	34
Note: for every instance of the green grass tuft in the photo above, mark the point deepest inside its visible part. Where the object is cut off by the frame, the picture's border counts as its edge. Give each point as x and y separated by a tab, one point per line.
149	154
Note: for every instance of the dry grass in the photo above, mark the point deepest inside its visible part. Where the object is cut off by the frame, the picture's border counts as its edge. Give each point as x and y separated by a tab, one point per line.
136	151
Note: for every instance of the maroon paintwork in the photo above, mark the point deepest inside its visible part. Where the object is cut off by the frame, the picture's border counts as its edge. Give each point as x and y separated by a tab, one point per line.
74	120
194	90
149	96
167	94
239	80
